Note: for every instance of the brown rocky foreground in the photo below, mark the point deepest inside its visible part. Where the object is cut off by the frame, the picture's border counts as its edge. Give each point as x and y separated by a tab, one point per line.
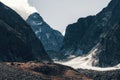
38	71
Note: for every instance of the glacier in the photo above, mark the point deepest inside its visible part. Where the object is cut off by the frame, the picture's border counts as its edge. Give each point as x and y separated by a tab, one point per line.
87	62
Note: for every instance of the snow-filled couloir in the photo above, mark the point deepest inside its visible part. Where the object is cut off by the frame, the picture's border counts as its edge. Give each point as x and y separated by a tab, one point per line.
89	61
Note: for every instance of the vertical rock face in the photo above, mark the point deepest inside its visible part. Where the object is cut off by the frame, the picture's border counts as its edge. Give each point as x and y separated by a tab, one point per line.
17	40
108	52
102	29
51	39
74	33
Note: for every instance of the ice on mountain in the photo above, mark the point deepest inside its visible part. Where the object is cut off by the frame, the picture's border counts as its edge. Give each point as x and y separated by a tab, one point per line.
47	34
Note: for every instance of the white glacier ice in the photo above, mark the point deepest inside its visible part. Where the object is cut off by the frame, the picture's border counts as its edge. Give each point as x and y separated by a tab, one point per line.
87	62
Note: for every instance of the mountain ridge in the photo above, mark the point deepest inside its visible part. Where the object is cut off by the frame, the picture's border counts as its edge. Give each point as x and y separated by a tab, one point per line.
50	38
18	41
83	38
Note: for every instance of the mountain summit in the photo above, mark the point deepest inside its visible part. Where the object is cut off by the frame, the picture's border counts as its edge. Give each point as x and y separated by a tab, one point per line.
50	38
17	40
97	34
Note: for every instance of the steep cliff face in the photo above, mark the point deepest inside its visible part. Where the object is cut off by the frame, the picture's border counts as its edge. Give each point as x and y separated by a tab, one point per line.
108	49
109	52
82	36
17	40
74	33
50	38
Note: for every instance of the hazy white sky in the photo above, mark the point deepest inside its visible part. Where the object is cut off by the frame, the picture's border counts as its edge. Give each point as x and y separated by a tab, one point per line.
21	6
58	13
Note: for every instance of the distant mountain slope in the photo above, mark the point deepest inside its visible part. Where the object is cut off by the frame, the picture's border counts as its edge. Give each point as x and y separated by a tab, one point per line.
99	32
72	44
87	31
17	40
50	38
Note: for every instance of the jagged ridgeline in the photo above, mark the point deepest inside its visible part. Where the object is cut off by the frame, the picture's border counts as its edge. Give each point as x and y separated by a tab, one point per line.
17	40
50	38
99	32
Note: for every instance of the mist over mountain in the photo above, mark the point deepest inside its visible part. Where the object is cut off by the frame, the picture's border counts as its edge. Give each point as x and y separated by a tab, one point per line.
22	7
17	40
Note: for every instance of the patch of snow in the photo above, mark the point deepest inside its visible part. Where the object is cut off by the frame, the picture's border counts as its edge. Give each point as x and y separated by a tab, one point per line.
86	62
63	33
37	23
71	56
39	37
40	23
48	35
36	32
40	30
69	52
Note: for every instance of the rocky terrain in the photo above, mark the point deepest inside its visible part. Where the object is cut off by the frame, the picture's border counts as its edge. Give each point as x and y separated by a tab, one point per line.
88	31
51	71
44	71
11	73
17	40
50	38
95	39
99	32
101	75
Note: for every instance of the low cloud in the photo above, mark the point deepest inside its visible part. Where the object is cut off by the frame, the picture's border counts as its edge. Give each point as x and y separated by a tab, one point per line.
20	6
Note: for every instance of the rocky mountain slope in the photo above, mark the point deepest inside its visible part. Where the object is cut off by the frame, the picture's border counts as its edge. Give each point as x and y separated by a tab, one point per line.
51	39
99	32
17	40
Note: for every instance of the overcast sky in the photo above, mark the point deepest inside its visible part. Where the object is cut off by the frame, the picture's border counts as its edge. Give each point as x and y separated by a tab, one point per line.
22	7
58	13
